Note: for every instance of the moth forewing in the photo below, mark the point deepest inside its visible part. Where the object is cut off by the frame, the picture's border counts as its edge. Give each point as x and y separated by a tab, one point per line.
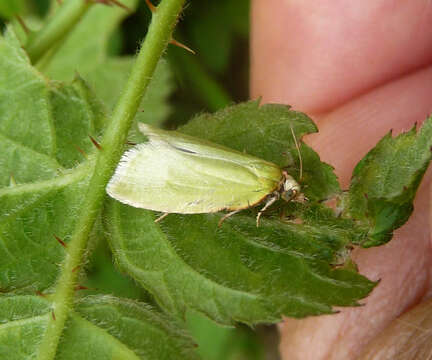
176	173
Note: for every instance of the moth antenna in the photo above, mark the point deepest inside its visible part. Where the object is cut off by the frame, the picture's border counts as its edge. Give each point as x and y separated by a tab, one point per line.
95	143
183	46
151	6
81	151
22	23
298	151
61	242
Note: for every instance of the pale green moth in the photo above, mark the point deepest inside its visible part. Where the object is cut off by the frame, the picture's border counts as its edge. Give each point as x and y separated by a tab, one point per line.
177	173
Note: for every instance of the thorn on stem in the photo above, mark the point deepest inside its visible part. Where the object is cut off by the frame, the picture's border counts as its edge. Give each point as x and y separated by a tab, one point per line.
53	315
130	143
75	268
81	287
60	241
22	23
95	143
179	44
151	6
39	293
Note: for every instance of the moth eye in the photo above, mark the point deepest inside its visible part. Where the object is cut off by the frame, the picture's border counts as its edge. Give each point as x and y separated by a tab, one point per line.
289	194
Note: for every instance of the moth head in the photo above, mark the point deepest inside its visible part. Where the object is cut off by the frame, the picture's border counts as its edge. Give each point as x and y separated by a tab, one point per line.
290	189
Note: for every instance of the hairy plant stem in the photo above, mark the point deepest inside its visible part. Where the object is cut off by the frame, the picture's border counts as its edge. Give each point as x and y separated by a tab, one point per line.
158	36
56	28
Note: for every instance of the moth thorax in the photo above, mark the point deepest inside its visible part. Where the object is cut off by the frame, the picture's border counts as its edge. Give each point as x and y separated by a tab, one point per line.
290	188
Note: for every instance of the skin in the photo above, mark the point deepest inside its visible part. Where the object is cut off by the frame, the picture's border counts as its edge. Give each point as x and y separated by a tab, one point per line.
359	68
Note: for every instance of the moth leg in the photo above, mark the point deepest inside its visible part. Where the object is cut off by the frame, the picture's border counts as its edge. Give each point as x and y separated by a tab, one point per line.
269	202
163	216
227	216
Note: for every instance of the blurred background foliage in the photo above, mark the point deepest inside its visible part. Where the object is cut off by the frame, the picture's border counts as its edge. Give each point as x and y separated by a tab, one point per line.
218	31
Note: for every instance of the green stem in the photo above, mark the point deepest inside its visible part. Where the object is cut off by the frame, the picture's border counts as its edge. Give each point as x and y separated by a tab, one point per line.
65	18
112	144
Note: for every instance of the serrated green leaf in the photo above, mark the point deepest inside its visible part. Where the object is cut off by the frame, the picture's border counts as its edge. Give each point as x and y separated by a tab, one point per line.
22	323
104	327
36	206
240	272
86	51
385	182
43	172
235	273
